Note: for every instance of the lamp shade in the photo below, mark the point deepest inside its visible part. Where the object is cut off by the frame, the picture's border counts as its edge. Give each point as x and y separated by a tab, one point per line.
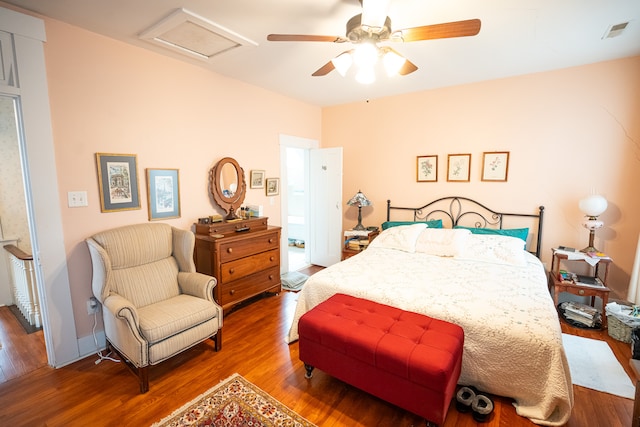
593	205
359	199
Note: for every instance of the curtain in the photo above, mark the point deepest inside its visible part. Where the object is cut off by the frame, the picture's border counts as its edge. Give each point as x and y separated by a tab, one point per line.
634	285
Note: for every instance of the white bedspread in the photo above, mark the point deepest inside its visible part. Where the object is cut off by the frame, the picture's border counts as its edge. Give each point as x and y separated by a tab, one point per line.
513	341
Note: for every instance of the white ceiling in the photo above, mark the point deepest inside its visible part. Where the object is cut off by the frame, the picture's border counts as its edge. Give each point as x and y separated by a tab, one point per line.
517	37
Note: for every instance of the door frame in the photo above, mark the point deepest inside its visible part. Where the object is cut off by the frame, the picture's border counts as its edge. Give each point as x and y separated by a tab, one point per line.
41	187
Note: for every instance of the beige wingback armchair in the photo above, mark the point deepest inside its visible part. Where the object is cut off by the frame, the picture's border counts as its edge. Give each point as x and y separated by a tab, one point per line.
154	304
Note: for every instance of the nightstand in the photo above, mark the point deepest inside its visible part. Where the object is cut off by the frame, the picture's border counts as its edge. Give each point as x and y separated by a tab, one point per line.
600	271
355	241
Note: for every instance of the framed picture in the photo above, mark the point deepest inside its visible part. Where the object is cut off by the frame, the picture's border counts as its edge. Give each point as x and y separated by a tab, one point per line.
495	166
273	186
163	194
256	179
427	169
118	182
458	167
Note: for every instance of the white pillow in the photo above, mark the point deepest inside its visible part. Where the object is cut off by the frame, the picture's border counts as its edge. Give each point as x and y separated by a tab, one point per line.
402	237
493	248
442	241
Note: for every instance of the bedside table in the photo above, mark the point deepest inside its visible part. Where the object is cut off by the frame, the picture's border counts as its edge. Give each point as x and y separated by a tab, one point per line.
364	236
599	270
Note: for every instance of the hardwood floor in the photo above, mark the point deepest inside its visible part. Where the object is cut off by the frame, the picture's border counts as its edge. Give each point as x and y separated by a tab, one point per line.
106	394
21	353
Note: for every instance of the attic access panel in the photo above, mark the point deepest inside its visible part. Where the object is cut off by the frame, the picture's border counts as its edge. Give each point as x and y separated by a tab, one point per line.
189	34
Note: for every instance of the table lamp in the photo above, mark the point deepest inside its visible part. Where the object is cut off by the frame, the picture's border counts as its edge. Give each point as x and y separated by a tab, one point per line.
592	206
359	200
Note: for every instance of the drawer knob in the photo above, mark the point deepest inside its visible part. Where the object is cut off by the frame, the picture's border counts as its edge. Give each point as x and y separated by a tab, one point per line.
232	270
229	250
581	291
272	258
270	240
271	277
232	291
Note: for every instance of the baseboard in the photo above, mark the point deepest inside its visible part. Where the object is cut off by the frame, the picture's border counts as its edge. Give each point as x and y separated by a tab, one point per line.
87	345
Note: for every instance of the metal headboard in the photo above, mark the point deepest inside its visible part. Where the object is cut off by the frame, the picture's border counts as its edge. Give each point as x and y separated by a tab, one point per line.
455	210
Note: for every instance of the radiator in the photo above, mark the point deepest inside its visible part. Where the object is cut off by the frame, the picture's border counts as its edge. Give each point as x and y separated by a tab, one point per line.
25	292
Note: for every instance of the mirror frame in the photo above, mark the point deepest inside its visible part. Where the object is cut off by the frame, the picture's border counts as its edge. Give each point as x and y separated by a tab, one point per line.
229	204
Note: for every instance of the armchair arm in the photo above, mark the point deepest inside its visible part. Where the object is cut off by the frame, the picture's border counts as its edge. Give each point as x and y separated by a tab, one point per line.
197	284
122	329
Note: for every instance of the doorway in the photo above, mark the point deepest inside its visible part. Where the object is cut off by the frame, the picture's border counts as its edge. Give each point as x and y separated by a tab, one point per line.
312	179
297	162
294	174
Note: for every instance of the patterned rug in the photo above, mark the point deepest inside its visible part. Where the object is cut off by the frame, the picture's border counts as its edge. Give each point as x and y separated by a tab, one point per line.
235	402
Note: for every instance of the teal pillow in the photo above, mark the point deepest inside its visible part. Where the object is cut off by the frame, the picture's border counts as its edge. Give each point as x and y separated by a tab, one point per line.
520	233
432	223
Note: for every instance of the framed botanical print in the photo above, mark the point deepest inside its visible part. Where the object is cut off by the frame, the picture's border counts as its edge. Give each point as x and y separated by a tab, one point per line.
256	179
495	166
458	167
273	186
427	169
163	194
118	182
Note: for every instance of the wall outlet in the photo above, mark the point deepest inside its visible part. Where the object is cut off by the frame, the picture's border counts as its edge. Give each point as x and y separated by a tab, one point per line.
92	305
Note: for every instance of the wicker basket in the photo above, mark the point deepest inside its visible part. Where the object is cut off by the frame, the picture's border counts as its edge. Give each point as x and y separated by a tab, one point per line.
619	330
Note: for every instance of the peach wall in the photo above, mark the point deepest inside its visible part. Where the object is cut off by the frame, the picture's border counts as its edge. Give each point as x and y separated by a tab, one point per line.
110	97
567	131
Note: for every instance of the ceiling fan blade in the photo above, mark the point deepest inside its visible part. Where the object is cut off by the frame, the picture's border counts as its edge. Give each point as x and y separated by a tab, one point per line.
324	70
470	27
304	38
408	68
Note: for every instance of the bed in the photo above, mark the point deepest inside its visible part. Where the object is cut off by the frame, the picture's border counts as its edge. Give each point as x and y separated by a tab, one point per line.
487	283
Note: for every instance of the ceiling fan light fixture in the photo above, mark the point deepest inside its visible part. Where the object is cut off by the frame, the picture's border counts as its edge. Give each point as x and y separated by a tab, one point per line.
365	75
393	63
365	55
342	63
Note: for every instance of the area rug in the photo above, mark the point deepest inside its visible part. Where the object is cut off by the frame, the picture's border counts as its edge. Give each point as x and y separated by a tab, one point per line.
593	365
234	402
293	280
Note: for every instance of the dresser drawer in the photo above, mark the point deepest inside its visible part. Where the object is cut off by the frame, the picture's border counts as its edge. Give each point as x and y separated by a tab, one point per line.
236	249
249	286
240	268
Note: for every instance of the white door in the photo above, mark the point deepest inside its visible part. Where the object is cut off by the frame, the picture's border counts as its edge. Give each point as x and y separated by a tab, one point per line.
325	218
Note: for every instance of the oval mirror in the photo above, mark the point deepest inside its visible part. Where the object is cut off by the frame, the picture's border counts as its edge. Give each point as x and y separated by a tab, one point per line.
227	185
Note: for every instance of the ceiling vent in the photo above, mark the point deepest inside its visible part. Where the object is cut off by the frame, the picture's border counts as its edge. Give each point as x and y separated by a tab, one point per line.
615	30
192	35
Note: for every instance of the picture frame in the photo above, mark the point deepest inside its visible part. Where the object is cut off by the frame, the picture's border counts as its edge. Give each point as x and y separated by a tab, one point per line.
118	182
458	167
163	193
427	168
273	186
256	179
495	166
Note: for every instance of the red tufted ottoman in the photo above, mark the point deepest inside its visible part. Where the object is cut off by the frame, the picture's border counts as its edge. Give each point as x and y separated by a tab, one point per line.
405	358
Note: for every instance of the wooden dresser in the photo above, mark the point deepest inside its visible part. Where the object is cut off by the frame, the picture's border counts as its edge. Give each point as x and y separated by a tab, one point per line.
243	256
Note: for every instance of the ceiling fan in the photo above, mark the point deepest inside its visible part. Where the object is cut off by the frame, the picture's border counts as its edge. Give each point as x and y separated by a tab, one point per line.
372	26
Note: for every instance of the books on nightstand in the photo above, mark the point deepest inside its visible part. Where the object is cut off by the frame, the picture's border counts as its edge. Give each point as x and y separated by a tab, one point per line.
357	244
581	313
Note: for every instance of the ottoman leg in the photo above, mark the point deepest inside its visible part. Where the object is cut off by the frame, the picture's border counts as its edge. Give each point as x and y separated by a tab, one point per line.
309	369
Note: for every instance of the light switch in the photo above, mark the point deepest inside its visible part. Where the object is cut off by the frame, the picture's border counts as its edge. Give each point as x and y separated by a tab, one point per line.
77	199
